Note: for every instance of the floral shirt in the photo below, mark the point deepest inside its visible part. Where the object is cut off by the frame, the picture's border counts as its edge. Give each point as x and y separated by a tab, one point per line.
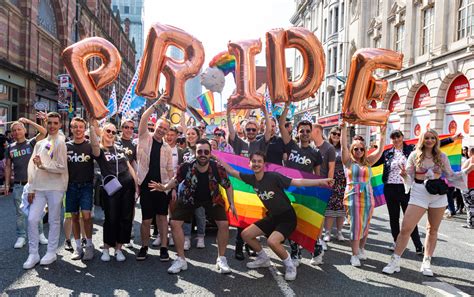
399	159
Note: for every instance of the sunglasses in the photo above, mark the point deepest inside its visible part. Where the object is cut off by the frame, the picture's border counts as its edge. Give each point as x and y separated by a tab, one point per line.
359	149
111	131
251	130
305	131
336	134
127	127
219	134
203	152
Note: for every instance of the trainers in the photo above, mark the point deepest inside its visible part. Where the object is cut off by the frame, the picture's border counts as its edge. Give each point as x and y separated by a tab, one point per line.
19	243
78	254
157	241
426	267
170	240
119	256
391	247
324	245
48	258
420	250
222	266
290	273
392	266
295	258
340	237
318	260
239	252
259	263
83	242
142	253
355	261
164	256
468	226
362	255
105	255
187	243
68	246
178	265
200	243
327	237
44	241
89	253
31	262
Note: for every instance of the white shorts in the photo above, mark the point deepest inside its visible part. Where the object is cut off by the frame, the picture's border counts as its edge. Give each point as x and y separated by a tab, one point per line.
419	196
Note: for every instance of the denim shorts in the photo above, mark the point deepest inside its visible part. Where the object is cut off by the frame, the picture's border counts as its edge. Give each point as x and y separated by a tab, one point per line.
79	197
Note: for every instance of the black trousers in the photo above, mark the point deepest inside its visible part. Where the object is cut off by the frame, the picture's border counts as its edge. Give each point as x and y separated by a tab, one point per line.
396	198
118	210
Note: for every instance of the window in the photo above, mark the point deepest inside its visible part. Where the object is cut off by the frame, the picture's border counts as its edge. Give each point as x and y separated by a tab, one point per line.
329	70
324	29
399	37
307	24
332	98
379	7
342	15
336	19
46	18
314	18
330	23
341	48
427	33
115	8
465	18
334	60
126	9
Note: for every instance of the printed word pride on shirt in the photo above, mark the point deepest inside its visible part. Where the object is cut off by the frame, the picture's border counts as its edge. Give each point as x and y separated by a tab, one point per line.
80	162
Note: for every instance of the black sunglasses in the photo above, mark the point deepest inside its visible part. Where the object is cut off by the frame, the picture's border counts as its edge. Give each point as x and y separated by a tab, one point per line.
127	127
219	134
305	131
251	130
359	149
203	152
111	131
336	134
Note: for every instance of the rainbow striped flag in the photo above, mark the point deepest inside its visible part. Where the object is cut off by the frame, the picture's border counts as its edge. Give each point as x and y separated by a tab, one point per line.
452	150
224	61
309	202
206	100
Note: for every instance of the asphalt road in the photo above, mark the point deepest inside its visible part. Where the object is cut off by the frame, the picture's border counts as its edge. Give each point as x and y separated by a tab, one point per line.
453	266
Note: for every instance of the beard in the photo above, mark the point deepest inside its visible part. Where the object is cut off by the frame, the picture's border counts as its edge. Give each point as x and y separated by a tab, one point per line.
202	162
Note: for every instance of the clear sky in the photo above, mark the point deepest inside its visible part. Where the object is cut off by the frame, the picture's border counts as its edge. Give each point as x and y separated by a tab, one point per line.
215	22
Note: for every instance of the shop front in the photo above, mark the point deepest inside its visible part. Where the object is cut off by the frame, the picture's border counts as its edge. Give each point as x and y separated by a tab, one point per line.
456	118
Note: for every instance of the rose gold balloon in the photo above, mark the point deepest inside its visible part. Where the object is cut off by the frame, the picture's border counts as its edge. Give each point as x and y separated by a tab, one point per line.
155	61
245	95
88	83
313	63
362	87
277	78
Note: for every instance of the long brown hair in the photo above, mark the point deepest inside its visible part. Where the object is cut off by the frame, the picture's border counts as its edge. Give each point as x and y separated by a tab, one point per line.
436	151
364	161
335	129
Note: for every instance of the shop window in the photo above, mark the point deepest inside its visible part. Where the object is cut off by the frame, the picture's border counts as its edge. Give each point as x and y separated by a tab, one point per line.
46	18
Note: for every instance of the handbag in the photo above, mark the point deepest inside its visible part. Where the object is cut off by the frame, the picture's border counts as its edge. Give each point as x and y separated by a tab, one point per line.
113	185
436	186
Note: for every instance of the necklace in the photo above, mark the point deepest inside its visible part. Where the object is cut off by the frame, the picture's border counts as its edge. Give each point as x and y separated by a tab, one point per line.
429	157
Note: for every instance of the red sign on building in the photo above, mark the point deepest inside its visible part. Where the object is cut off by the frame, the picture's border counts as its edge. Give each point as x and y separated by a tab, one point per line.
422	97
394	102
459	90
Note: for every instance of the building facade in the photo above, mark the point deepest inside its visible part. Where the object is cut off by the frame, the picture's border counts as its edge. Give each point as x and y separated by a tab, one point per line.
33	33
433	89
131	16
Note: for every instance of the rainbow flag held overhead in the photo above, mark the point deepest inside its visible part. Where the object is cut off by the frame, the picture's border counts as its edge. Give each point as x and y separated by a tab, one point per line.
309	202
224	61
206	100
452	150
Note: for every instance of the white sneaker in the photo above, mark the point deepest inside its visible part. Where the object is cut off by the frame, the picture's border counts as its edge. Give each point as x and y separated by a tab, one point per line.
200	243
42	239
327	237
48	258
392	266
355	261
362	255
105	255
340	237
89	253
157	241
318	260
20	242
171	241
187	243
78	254
119	256
222	266
346	222
290	273
426	267
259	262
31	262
178	265
324	245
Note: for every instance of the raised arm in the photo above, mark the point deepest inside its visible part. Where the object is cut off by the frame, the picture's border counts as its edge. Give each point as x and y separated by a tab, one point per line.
268	125
41	130
344	145
229	168
285	135
143	126
230	126
93	138
375	155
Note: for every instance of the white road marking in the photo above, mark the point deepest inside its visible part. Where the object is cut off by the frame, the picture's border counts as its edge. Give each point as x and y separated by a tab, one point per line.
445	289
282	284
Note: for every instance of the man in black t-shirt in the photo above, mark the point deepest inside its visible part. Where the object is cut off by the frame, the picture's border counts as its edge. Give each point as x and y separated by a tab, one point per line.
127	143
79	195
276	151
280	220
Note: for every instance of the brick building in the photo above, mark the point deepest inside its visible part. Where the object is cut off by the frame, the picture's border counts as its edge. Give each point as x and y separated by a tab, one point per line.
33	34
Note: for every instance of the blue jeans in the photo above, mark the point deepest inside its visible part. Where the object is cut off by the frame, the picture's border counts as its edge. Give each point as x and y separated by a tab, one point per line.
20	216
200	216
79	197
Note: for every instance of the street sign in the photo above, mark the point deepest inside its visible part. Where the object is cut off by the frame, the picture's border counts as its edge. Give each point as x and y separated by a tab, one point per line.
41	105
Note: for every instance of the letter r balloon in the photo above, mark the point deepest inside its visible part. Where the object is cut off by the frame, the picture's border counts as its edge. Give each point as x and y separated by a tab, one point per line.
362	87
176	72
87	82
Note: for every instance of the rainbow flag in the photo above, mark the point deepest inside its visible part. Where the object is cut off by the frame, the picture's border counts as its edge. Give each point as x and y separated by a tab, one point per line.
206	100
224	61
452	150
309	202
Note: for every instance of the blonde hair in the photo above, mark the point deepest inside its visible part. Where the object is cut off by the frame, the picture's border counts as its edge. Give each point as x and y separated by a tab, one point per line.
419	150
364	161
106	125
17	123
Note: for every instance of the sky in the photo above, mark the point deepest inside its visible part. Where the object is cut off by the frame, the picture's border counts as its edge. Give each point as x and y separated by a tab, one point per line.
216	22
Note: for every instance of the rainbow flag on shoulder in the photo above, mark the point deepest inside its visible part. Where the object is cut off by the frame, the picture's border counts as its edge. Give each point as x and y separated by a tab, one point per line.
309	202
452	150
206	100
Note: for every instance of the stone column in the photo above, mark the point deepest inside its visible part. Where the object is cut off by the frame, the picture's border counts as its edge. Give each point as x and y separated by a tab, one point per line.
410	35
441	24
436	116
405	122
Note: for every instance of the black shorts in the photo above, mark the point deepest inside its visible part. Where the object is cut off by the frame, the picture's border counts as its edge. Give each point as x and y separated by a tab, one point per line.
186	213
153	203
284	223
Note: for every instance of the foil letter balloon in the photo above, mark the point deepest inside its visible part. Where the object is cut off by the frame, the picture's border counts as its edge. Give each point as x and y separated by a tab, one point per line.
245	95
278	87
362	87
88	83
176	72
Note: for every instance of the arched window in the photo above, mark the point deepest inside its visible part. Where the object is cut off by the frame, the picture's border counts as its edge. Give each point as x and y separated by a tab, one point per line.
46	18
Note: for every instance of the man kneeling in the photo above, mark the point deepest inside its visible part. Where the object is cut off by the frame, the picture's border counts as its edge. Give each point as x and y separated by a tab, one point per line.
280	220
200	180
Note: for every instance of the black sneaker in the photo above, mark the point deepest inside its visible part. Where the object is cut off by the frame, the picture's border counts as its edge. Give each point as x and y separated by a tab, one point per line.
239	252
164	256
420	250
249	251
142	253
83	242
68	246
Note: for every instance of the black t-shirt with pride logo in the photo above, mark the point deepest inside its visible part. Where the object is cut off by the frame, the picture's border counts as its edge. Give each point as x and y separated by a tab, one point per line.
271	191
108	159
80	162
304	159
129	147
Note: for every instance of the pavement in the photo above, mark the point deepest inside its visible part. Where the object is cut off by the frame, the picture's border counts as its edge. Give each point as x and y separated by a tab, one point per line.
453	265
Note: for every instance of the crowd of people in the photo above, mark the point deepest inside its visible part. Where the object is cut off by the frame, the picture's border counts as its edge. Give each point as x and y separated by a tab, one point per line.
174	176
